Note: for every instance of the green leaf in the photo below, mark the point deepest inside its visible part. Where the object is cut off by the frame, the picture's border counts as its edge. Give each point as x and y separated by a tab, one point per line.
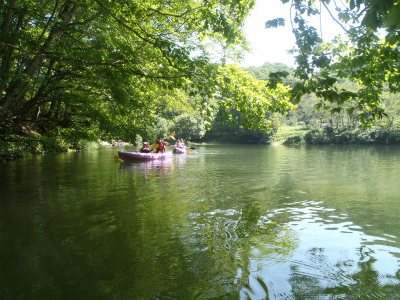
275	23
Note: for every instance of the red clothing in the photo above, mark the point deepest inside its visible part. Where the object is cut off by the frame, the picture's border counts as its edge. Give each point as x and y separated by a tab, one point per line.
161	147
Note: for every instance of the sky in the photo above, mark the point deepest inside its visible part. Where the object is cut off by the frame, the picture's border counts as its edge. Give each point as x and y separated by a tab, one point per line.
271	45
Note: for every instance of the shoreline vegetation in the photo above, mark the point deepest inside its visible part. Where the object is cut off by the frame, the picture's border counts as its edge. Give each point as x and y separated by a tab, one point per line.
26	142
304	125
73	73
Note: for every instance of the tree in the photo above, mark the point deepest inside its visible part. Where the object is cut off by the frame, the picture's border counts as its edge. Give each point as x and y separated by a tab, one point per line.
361	55
189	127
111	64
162	128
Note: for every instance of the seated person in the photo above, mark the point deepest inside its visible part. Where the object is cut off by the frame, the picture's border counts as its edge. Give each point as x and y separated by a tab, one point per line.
145	148
161	145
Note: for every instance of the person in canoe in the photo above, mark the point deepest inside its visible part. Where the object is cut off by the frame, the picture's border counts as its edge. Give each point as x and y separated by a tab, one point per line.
160	145
178	143
145	148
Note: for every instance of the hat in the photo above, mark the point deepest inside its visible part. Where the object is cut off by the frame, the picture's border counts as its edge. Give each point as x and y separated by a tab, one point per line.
145	143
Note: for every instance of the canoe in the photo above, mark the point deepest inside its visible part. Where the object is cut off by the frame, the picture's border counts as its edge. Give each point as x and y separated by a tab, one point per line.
179	150
143	156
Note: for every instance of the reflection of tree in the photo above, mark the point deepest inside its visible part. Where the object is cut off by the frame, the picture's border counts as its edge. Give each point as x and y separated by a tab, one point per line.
346	279
139	250
227	241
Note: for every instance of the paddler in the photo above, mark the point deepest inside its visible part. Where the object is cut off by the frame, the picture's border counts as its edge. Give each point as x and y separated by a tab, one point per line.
161	145
145	148
182	144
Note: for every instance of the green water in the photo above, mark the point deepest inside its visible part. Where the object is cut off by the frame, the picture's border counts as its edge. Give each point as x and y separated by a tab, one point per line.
226	222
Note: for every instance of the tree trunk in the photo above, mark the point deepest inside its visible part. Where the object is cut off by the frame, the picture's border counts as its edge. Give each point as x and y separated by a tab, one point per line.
13	99
6	52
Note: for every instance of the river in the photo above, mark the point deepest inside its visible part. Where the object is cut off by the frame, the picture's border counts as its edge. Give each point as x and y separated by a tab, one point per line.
223	222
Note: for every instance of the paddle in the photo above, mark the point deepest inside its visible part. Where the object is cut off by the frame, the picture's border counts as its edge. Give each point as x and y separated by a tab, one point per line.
155	146
171	135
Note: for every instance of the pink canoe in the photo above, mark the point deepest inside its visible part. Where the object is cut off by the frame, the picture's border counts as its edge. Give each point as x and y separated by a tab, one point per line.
143	156
179	150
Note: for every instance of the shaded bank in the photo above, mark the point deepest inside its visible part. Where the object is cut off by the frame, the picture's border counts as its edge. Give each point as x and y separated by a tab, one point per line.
30	139
25	141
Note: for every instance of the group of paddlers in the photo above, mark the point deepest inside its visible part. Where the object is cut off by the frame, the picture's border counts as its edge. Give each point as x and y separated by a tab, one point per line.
180	144
159	146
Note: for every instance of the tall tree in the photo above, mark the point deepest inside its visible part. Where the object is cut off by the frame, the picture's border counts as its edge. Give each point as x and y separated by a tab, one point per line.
75	64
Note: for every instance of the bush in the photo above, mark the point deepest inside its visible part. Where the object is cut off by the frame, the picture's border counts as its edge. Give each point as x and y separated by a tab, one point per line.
291	140
380	134
317	137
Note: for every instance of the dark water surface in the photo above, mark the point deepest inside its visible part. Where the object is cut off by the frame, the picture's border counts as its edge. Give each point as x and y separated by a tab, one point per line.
226	222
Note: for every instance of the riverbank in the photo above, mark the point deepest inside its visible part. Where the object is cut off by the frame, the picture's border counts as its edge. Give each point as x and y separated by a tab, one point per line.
377	135
25	141
382	133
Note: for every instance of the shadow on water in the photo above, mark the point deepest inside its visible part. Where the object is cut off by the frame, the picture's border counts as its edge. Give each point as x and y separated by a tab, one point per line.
223	223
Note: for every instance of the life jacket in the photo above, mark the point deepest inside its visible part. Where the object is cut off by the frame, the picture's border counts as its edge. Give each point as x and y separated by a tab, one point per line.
161	147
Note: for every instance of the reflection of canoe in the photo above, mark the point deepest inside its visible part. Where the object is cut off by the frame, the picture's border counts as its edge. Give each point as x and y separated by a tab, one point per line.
179	150
152	164
143	156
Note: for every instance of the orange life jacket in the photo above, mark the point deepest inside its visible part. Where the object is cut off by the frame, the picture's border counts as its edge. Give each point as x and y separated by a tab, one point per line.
161	147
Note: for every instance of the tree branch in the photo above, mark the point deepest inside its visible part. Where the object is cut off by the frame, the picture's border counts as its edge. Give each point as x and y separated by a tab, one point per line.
50	19
340	24
137	34
52	57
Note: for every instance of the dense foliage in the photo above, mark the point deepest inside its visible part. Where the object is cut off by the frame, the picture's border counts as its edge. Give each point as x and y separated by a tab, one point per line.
379	135
359	54
309	114
74	71
233	132
107	66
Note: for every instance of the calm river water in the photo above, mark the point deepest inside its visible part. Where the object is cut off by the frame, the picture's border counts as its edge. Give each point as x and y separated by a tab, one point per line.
226	222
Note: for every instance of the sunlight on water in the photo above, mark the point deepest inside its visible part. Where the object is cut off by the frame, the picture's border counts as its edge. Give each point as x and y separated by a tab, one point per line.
226	222
334	252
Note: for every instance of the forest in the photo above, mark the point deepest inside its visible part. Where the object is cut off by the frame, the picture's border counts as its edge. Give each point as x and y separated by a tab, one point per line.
73	73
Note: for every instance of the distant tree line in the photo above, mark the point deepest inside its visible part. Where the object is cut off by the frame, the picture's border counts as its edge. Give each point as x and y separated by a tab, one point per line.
325	127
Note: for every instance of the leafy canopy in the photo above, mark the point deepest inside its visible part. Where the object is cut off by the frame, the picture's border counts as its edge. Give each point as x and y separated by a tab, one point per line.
367	52
111	64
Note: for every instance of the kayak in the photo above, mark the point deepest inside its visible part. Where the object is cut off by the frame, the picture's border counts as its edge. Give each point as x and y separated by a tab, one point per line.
179	150
143	156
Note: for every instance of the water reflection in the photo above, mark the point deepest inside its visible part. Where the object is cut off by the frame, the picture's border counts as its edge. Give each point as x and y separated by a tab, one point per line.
223	223
221	246
146	165
334	259
177	161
